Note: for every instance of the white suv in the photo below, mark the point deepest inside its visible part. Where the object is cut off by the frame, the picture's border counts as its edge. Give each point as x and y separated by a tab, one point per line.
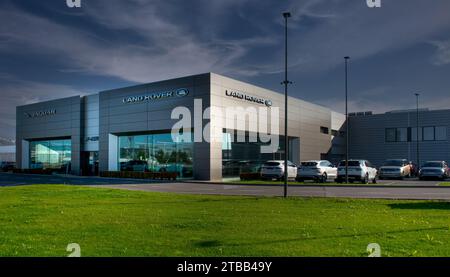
319	171
358	170
275	169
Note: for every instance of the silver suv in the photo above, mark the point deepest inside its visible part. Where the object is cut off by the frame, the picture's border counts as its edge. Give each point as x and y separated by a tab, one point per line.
319	171
395	168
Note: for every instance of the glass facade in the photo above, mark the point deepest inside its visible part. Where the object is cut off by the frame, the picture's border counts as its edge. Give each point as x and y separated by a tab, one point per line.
156	153
245	157
51	154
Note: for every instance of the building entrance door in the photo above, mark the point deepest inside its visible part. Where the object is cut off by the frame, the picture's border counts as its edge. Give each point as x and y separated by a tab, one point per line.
90	163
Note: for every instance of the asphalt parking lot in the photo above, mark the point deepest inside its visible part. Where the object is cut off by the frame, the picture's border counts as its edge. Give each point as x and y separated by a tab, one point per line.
386	189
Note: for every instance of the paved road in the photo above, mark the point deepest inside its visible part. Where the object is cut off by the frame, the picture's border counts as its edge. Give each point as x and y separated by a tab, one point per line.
437	193
412	189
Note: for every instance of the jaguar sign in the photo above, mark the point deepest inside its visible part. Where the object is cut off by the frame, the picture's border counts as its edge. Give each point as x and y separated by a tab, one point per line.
40	113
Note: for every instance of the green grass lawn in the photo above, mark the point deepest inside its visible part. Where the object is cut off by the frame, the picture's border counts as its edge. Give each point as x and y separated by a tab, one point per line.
445	184
42	220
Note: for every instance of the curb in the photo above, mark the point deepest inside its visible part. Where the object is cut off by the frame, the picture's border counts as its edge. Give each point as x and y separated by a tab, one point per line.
314	186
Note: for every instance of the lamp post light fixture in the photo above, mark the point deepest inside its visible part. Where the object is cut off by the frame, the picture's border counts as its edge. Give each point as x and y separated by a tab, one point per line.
286	82
346	118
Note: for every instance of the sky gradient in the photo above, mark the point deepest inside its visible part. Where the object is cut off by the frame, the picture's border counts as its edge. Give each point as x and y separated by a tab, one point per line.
49	51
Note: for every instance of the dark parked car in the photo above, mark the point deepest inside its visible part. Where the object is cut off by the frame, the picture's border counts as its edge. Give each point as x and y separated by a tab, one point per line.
434	169
134	165
7	166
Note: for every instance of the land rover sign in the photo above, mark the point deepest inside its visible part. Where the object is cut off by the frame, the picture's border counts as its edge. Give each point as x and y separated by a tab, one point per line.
156	96
246	97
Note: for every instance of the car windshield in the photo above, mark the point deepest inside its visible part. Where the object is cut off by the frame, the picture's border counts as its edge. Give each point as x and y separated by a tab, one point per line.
393	163
309	164
272	164
432	164
350	163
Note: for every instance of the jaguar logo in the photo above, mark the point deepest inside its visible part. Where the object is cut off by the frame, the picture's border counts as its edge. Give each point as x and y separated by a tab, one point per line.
40	113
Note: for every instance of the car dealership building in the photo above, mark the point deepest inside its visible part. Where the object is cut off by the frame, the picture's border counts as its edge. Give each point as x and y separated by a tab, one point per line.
129	129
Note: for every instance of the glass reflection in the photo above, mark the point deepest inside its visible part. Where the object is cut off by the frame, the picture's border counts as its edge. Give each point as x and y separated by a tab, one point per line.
51	154
156	153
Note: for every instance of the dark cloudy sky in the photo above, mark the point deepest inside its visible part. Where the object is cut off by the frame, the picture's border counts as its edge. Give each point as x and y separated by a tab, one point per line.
48	50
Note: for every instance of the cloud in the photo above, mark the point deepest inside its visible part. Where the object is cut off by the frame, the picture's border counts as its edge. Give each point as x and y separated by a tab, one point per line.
165	50
17	92
442	55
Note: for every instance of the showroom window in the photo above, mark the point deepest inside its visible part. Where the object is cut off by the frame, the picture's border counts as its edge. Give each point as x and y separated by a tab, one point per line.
246	157
156	153
51	154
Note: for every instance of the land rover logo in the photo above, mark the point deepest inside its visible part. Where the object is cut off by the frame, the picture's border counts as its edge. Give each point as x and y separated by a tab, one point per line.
40	113
182	92
156	96
250	98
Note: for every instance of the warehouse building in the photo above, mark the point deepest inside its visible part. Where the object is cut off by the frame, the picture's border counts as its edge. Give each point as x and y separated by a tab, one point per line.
393	135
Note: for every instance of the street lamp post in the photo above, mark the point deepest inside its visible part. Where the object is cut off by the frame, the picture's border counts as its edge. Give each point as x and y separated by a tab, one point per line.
286	82
417	128
346	119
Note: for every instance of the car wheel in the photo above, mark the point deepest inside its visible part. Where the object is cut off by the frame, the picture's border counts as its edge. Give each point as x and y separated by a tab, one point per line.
324	178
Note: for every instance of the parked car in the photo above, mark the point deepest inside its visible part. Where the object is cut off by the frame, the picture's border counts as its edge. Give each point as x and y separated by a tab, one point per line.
275	170
7	166
434	169
358	170
319	171
395	168
134	165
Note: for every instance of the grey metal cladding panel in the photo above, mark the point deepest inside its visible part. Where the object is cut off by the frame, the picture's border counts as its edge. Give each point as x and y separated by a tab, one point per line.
128	127
161	124
150	87
47	134
93	130
163	115
58	117
128	118
63	102
125	109
103	129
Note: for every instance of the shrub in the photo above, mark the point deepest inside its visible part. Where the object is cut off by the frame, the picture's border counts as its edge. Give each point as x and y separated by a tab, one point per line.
139	175
250	176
